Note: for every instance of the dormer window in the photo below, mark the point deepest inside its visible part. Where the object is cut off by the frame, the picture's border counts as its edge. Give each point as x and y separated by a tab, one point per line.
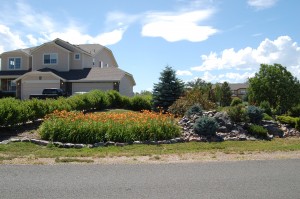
77	56
14	63
50	58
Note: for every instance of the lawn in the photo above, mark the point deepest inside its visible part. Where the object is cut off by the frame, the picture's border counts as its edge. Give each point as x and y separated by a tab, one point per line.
19	150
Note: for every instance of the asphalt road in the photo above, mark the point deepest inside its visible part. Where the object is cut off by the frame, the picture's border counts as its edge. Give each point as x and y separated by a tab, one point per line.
245	179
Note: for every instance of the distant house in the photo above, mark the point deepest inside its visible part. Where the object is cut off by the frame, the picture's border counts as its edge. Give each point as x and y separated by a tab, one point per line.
59	64
237	89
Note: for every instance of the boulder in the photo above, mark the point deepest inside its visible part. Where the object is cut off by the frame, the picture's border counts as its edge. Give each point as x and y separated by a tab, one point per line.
274	130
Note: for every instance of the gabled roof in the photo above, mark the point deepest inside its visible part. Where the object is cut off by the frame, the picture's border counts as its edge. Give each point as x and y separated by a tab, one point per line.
234	86
237	86
91	48
26	51
94	74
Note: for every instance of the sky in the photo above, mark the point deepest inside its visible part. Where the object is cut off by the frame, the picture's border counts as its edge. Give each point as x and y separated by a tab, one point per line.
215	40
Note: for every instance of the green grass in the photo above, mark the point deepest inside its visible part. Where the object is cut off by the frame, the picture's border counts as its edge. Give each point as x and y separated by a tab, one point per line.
13	150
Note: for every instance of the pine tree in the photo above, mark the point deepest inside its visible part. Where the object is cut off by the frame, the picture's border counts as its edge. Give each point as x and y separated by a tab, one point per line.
225	94
167	90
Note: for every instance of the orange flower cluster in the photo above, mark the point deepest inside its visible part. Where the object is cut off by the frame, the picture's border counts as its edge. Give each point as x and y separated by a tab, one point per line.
113	126
103	117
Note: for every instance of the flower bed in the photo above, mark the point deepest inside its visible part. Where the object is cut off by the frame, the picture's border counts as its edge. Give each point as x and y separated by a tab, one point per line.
77	127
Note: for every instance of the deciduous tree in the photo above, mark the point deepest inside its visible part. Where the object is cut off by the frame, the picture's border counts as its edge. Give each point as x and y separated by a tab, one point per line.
275	84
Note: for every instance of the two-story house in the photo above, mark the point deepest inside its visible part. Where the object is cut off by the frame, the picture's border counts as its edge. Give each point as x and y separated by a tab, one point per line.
237	89
59	64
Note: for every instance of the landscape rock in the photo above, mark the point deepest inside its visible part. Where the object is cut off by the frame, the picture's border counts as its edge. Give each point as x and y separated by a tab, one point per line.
99	144
15	140
79	146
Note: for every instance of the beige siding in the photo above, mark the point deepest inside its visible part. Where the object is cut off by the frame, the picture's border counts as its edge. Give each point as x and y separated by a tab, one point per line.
86	87
87	61
36	77
106	58
36	88
126	86
75	64
62	54
25	60
34	84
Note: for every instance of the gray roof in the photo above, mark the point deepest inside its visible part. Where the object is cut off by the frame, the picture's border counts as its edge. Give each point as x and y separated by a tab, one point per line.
238	86
91	48
91	74
13	72
234	86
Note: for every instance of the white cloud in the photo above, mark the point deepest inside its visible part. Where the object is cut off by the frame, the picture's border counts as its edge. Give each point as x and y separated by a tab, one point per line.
183	73
26	27
178	26
9	39
231	77
281	50
262	4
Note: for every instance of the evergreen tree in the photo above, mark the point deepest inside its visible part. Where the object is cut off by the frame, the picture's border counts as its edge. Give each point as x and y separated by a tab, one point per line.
167	90
225	94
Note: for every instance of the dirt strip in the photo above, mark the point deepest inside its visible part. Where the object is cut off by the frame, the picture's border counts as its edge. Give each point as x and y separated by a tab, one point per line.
160	159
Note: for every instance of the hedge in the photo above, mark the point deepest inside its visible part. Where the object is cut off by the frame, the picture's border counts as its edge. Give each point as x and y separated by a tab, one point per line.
14	111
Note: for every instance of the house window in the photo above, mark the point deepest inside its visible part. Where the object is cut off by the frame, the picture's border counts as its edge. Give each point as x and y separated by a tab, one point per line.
50	58
243	91
14	63
77	56
11	86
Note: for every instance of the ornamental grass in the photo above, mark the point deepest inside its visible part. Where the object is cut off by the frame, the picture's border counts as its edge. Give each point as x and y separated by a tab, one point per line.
77	127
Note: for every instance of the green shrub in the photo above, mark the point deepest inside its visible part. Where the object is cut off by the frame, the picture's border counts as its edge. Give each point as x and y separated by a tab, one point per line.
267	117
139	103
297	125
114	99
194	96
257	131
265	106
237	113
195	109
294	111
206	126
255	114
287	120
236	101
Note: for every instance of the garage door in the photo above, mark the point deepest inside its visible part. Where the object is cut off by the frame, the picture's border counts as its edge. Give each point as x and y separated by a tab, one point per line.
86	87
36	88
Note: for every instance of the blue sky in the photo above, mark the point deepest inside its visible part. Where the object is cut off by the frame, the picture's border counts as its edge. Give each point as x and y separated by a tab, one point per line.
215	40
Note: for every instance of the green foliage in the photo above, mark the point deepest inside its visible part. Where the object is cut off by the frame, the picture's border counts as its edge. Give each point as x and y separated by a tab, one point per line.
273	83
294	111
225	95
297	125
255	114
265	106
267	117
13	111
237	113
167	90
140	103
191	97
206	126
115	99
195	109
287	120
257	131
77	127
236	101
